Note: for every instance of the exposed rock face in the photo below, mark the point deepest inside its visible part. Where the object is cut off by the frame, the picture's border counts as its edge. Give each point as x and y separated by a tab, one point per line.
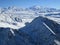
41	31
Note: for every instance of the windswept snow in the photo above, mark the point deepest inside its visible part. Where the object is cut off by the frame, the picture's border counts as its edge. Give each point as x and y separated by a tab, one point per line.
16	18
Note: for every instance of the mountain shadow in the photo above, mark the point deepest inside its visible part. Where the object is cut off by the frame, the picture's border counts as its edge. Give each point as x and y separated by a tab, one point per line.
41	31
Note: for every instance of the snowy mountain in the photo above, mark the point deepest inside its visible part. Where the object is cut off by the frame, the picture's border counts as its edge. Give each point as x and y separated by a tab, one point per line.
36	8
35	25
41	9
17	17
41	31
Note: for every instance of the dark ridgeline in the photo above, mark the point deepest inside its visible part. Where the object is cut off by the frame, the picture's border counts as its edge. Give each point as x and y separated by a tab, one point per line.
35	33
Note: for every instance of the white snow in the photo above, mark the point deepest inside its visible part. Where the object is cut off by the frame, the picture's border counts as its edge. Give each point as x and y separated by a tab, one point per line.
8	20
7	17
57	42
12	32
49	28
54	19
6	25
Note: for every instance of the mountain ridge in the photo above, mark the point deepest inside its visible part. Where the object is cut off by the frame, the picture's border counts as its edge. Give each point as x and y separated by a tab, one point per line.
34	33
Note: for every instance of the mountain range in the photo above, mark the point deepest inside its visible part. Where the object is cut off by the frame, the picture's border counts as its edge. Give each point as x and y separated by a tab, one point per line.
15	15
35	25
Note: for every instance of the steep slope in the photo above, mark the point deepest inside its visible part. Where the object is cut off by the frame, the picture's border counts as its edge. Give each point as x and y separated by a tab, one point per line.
41	31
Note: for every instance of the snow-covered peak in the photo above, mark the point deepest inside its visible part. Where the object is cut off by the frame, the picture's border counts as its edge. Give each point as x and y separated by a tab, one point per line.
42	9
33	9
36	6
17	16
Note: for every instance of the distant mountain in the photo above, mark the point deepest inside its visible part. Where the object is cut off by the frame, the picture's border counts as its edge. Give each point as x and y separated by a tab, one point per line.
41	9
16	16
36	8
41	31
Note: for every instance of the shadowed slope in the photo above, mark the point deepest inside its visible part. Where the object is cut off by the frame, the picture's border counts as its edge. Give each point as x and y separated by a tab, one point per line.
41	31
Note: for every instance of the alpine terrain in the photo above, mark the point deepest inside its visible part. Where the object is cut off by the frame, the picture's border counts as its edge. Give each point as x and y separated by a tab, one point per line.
35	25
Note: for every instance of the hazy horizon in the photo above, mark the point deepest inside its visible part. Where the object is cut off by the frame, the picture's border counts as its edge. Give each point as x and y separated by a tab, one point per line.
29	3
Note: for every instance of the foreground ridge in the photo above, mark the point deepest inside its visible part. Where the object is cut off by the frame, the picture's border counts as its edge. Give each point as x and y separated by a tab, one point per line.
34	33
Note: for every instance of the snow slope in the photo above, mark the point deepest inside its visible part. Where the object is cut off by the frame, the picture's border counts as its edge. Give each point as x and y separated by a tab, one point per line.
17	17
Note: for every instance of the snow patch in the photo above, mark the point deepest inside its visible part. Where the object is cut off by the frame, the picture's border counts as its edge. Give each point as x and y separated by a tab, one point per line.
49	28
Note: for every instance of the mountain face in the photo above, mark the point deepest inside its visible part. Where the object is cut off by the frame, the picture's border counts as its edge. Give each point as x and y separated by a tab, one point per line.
41	31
